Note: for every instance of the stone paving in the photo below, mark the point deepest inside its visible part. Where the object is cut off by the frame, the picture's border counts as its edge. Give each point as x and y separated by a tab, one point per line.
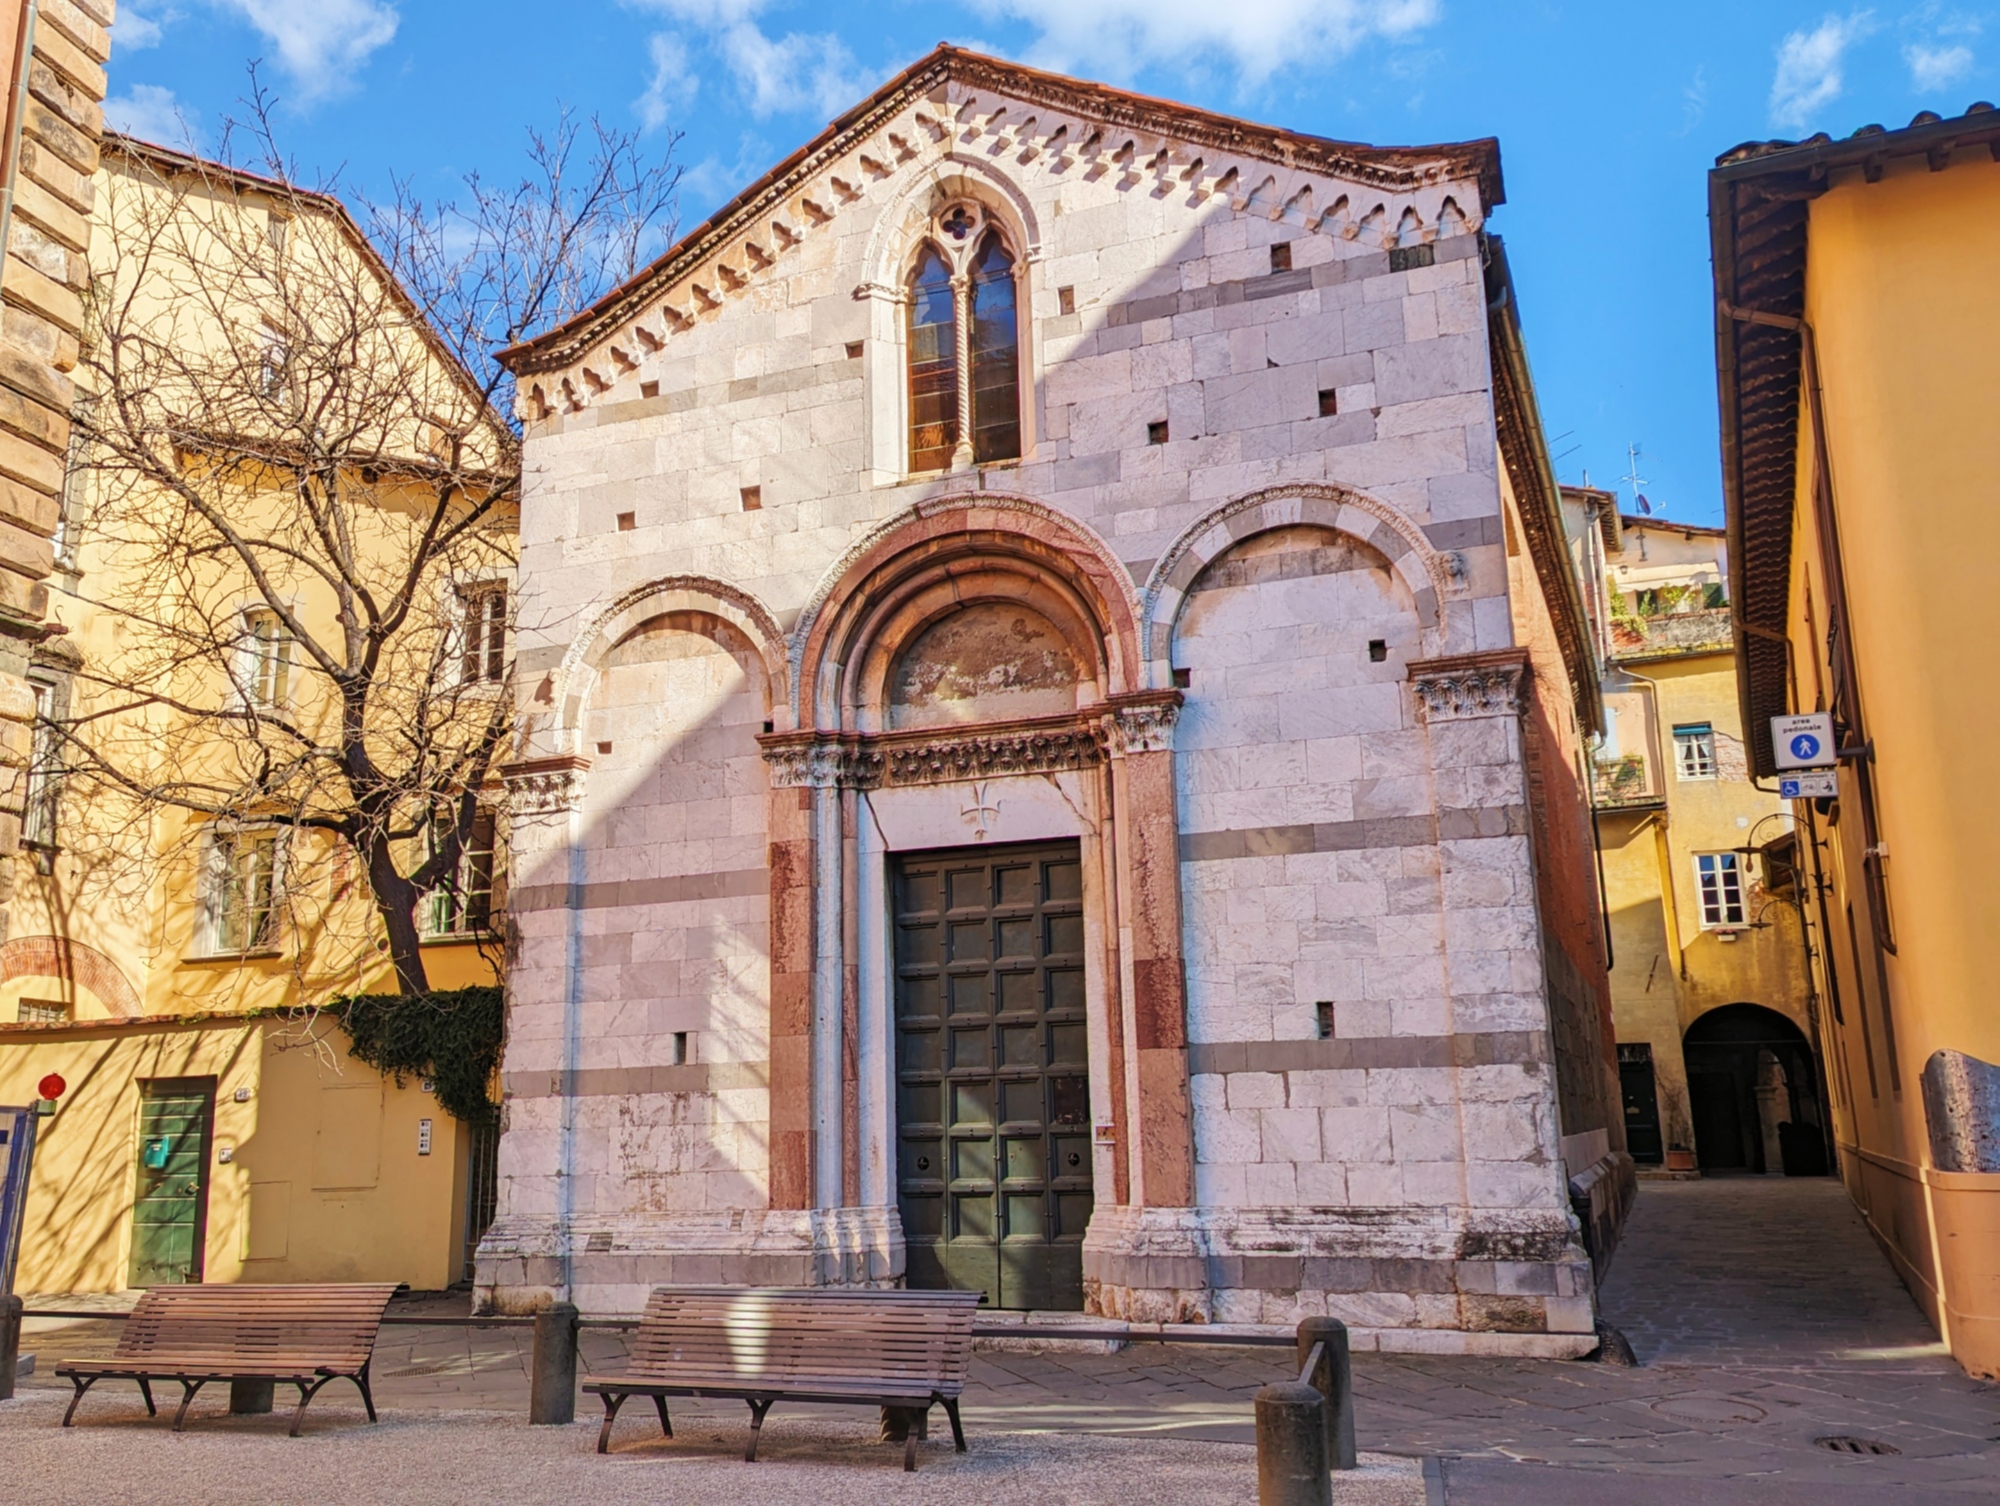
1761	1312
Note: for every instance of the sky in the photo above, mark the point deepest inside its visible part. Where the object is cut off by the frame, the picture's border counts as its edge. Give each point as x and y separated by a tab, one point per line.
1608	113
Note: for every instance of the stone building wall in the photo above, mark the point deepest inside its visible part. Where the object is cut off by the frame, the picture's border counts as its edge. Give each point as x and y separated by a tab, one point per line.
44	277
1258	505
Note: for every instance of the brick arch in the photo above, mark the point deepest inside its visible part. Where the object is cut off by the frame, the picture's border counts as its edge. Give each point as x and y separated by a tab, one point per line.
943	547
74	963
1430	576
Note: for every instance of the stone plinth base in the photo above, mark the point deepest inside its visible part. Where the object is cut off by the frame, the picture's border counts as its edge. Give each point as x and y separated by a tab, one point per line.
1463	1275
615	1261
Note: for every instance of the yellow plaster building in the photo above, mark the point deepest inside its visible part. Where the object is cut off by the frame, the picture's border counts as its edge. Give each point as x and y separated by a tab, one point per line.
1709	986
214	1127
1858	344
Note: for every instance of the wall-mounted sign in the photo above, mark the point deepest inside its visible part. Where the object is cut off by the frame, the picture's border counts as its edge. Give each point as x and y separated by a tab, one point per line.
1811	785
1803	742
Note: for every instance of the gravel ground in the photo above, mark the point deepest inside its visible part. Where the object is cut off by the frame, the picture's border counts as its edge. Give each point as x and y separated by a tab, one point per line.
815	1459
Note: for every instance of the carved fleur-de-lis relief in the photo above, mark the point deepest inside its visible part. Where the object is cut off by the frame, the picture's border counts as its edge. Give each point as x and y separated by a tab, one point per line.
981	811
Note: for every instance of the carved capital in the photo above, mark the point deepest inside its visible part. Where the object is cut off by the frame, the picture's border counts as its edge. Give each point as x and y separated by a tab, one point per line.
1468	685
544	786
1144	723
808	760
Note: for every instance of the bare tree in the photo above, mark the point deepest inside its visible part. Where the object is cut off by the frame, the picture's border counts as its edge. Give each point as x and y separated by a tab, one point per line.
301	477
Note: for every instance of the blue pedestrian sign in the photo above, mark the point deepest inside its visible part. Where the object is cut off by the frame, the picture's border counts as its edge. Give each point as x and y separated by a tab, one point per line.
1803	742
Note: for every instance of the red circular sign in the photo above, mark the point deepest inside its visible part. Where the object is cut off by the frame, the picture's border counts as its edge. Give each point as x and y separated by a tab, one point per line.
51	1086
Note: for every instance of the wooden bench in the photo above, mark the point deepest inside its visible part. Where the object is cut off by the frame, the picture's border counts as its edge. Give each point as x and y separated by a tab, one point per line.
302	1336
905	1351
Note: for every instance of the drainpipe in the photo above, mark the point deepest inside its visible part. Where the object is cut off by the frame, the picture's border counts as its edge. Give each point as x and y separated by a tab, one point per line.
572	1050
17	116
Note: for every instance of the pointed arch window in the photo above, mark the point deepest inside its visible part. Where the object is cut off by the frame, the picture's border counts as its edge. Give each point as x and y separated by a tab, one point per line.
933	363
964	347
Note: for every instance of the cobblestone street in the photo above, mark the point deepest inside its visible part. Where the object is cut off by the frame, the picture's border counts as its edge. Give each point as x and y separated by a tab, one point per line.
1762	1314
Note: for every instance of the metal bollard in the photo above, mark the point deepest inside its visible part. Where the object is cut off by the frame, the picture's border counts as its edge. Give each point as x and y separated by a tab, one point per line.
1332	1375
10	1342
552	1369
1291	1446
251	1397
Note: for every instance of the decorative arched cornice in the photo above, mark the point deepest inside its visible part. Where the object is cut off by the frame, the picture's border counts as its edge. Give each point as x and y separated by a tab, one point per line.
1432	577
612	623
74	963
1044	528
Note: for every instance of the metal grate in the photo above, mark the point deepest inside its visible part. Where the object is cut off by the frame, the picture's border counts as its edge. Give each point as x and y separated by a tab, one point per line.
1846	1443
482	1188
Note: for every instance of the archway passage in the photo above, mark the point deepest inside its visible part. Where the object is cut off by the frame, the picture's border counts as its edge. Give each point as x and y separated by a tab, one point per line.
1753	1085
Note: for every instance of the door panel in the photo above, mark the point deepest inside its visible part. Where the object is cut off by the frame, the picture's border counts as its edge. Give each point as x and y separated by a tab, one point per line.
993	1095
170	1211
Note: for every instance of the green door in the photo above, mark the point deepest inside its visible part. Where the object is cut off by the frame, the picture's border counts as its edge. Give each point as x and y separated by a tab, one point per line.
170	1212
993	1088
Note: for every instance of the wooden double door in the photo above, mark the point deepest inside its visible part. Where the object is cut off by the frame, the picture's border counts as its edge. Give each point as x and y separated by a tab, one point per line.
993	1086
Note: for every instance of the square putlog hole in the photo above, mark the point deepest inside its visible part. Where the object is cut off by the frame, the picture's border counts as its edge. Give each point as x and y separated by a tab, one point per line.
1156	433
649	389
853	350
1281	257
753	498
627	521
1183	679
1329	402
1378	650
1066	300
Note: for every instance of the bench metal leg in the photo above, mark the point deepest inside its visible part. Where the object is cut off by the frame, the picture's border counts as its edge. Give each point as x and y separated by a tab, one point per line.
306	1394
367	1398
82	1385
757	1411
188	1390
666	1423
612	1402
951	1411
910	1452
145	1390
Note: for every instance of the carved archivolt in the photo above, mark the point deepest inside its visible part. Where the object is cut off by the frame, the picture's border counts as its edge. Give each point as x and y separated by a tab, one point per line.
1431	576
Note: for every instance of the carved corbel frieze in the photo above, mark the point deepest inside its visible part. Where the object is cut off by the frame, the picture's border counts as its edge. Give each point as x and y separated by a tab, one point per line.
807	760
1143	723
952	758
1468	685
544	786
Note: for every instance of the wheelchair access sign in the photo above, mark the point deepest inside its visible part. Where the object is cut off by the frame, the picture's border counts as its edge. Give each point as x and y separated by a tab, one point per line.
1803	742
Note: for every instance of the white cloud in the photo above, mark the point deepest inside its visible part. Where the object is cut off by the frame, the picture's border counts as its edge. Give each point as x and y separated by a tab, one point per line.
1809	73
150	113
133	32
1937	67
796	72
1116	38
321	43
674	83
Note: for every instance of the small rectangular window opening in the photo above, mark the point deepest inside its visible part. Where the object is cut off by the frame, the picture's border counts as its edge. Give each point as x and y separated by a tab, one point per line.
627	521
1323	1013
1378	650
649	389
753	498
1281	257
1183	678
853	350
1329	402
1066	300
1156	433
680	1048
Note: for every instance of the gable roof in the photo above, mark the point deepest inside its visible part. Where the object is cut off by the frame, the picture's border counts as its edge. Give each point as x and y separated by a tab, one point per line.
1396	167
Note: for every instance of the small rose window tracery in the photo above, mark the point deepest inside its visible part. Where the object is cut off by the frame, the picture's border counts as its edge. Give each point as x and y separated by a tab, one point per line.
964	345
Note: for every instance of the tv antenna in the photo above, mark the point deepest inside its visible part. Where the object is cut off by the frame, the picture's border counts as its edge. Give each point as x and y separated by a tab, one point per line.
1633	479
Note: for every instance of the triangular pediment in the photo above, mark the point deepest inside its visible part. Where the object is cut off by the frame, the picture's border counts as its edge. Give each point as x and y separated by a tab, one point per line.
961	105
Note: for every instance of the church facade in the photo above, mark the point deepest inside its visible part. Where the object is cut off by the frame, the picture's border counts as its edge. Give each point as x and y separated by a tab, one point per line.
1052	693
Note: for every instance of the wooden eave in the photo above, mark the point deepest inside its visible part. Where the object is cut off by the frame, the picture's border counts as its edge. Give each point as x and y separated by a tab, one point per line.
1758	200
1389	168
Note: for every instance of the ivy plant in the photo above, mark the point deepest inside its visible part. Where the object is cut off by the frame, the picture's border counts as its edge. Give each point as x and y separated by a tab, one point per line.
451	1036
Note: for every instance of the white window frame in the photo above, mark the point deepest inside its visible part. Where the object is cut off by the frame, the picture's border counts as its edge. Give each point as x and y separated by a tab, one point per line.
1694	752
478	657
221	873
1719	891
447	907
41	791
263	670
